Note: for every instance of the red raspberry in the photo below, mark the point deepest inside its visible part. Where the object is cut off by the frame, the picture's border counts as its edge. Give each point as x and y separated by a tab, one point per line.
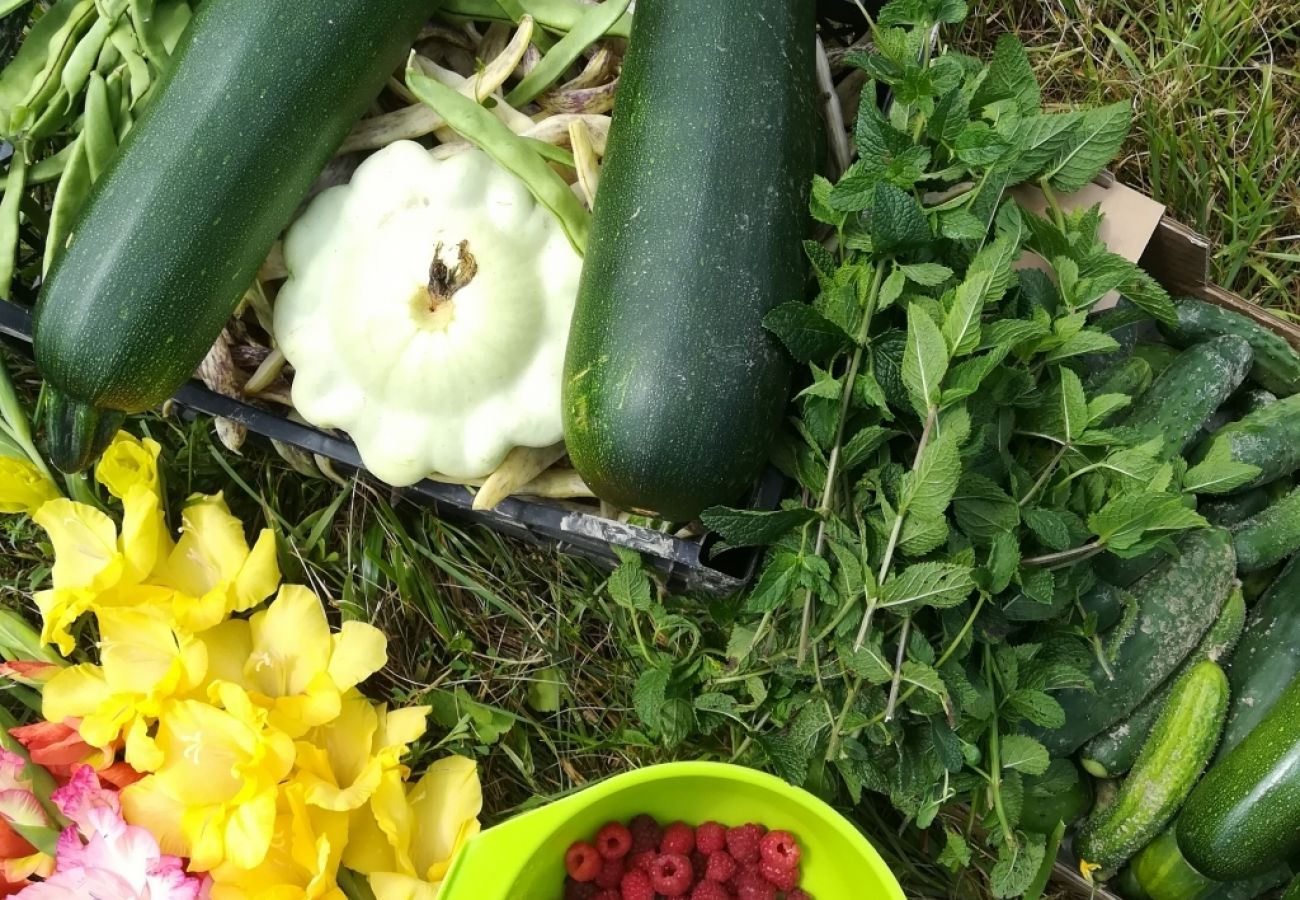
646	833
671	875
780	849
786	879
798	894
751	886
579	890
710	838
636	886
710	890
678	839
607	894
642	861
611	873
582	862
722	868
613	841
699	864
743	842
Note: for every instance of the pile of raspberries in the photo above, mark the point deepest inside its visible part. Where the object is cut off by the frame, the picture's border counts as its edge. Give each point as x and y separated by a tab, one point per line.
645	861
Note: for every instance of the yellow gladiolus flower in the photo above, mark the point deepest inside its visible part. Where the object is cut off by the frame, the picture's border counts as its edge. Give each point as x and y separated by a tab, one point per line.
212	568
143	663
343	763
23	487
127	463
290	663
442	812
303	861
213	798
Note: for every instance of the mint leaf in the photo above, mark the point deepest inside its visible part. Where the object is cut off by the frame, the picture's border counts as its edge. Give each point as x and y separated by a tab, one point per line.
980	146
891	290
961	325
747	527
925	361
1074	405
997	259
1040	139
806	333
1016	867
868	662
956	853
1048	526
1123	523
1104	406
649	695
961	225
1024	754
1086	341
1010	77
1004	559
928	489
1036	707
825	385
778	581
820	203
865	442
897	221
1219	473
630	587
1100	134
791	751
932	584
983	510
926	678
926	274
922	535
950	116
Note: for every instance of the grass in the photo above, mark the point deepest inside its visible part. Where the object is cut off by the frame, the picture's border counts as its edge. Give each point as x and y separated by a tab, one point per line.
529	661
1216	132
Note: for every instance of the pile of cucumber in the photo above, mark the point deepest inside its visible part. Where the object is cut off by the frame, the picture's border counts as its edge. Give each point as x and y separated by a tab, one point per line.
1193	730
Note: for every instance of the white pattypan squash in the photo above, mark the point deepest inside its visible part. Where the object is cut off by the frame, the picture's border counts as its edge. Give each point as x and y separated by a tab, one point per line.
426	314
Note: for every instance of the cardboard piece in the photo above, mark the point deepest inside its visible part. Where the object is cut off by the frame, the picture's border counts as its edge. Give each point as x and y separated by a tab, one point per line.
1130	220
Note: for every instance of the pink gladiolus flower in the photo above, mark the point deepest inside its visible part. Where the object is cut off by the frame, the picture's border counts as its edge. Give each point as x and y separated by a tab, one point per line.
100	855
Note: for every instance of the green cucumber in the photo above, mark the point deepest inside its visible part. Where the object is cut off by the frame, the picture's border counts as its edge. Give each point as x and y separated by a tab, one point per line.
1250	888
1232	510
1268	438
1060	794
1163	874
1255	584
1268	536
1177	604
1267	658
1115	750
1130	377
1157	356
1276	365
1171	760
1244	817
1124	572
257	97
673	389
1186	394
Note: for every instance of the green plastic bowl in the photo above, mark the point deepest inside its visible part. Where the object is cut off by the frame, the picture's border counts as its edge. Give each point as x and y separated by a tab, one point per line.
523	859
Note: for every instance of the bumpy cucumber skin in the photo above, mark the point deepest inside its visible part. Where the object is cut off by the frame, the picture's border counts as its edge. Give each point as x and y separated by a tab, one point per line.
1171	760
1232	510
258	96
1187	393
1268	438
1163	874
1266	659
673	389
1178	602
1124	573
1244	816
1114	751
1276	365
1269	536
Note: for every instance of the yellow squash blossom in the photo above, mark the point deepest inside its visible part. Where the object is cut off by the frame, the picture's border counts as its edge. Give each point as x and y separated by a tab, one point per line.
23	487
343	763
212	568
442	810
302	863
143	663
290	663
213	798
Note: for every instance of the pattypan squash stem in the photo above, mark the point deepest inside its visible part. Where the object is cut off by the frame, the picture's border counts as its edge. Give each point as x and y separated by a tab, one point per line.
833	464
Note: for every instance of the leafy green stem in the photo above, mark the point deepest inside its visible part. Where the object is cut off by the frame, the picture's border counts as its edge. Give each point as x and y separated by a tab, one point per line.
1065	557
1047	473
995	759
833	462
898	669
1058	215
888	559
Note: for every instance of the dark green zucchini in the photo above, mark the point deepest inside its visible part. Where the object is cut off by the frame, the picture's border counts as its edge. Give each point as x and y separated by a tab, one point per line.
1114	751
1163	874
1276	365
257	97
1186	394
1177	604
673	388
1172	758
1267	658
1243	819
